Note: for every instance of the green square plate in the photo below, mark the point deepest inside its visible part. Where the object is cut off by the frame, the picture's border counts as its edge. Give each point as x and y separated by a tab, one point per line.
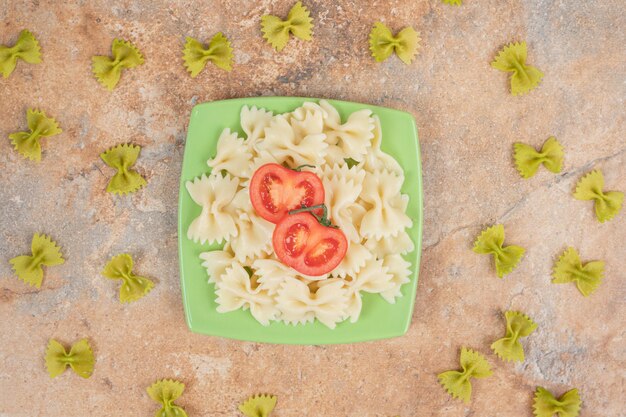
378	319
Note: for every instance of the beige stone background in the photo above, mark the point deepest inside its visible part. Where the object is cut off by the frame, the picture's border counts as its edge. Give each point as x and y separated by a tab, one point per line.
467	124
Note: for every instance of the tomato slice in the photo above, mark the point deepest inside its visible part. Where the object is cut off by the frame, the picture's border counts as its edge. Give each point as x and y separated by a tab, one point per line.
274	190
301	242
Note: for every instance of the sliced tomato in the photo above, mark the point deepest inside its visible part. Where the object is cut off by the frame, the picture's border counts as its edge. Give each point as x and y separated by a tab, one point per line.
274	190
301	242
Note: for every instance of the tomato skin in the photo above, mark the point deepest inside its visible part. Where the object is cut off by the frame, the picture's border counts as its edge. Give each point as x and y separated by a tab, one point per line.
274	190
307	246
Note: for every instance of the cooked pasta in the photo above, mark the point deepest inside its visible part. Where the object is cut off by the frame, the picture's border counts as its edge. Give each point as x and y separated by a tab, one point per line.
363	198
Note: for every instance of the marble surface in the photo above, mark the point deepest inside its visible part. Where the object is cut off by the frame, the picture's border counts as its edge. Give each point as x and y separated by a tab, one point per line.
467	123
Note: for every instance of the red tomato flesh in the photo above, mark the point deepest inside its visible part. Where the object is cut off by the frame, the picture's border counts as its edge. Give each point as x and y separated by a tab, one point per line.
310	248
274	190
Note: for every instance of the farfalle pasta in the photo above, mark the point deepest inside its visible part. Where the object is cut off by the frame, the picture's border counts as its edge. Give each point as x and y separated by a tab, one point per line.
260	405
133	287
80	358
568	268
25	48
518	325
165	392
528	159
45	252
458	383
545	404
39	126
383	43
363	195
108	69
512	58
298	23
606	203
121	158
491	241
196	56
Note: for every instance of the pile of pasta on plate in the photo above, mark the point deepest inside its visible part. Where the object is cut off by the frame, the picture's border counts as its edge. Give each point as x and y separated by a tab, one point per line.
353	230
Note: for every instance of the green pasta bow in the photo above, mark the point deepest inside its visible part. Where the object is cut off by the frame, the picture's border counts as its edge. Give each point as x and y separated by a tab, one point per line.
133	287
506	258
546	405
196	56
382	43
45	251
165	392
26	48
258	405
122	158
277	31
509	347
457	383
607	204
569	268
39	126
80	358
512	58
453	2
527	159
108	70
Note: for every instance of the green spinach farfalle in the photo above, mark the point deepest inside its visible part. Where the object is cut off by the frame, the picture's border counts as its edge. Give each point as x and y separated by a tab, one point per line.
569	268
165	392
45	251
458	383
258	405
528	159
39	126
80	358
383	43
108	69
26	48
607	203
122	157
299	23
547	405
196	56
512	58
491	241
133	287
509	347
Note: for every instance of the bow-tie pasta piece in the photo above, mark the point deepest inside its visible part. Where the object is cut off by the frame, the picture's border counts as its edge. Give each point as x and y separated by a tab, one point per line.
216	262
547	405
196	56
26	48
165	392
591	187
133	287
509	347
253	122
491	241
341	195
569	268
260	405
122	158
512	58
351	139
400	271
233	155
327	304
373	278
453	2
39	126
356	257
213	193
272	274
382	43
387	215
45	251
80	358
252	240
399	244
376	159
527	159
276	31
458	383
108	69
237	289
